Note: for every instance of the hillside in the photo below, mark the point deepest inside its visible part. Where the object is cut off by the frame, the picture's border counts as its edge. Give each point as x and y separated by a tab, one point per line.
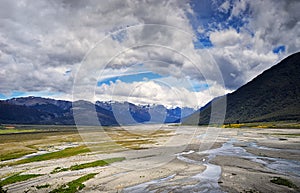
273	95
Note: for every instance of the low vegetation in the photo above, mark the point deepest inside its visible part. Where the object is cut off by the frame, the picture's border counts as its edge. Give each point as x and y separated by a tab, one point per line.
286	134
17	178
45	134
291	125
2	190
59	169
284	182
133	140
16	145
236	125
13	155
89	165
7	131
54	155
74	185
97	163
43	186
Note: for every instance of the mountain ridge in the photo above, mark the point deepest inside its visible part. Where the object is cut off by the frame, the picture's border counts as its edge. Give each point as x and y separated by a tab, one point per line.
39	110
274	95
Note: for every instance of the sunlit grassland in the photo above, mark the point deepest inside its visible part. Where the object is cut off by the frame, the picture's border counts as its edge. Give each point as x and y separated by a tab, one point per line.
53	155
132	140
284	182
8	155
43	186
286	125
74	186
6	131
16	145
89	164
17	178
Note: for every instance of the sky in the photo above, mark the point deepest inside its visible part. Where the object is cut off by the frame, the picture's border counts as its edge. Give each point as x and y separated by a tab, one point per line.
170	52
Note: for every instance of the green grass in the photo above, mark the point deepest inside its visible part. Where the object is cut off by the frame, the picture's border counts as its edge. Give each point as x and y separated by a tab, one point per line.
278	124
89	165
251	191
17	178
68	152
6	131
288	134
59	169
32	136
284	182
74	185
237	125
14	155
2	190
43	186
97	163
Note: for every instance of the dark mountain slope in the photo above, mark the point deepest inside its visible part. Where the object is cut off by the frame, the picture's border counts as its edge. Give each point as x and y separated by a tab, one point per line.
38	110
10	113
274	95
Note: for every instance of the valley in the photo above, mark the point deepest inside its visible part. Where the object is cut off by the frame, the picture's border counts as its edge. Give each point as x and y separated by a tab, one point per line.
150	96
150	158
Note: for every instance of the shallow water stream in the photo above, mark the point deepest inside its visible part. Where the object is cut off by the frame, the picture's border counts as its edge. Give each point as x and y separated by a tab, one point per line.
207	181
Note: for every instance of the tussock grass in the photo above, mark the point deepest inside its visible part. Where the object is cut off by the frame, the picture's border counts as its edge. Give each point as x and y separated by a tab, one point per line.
97	163
288	134
6	131
284	182
35	137
68	152
286	125
42	186
16	145
13	155
2	190
89	165
75	185
17	178
59	169
233	125
132	140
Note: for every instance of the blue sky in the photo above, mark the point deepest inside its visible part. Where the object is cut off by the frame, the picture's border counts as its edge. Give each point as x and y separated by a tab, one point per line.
279	49
144	76
207	17
16	94
195	86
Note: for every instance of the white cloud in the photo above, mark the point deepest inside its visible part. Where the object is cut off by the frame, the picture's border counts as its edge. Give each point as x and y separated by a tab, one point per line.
238	7
225	7
276	24
41	40
228	37
246	53
60	33
157	92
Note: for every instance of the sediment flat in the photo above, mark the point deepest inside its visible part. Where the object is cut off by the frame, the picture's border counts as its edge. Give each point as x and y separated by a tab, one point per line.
165	158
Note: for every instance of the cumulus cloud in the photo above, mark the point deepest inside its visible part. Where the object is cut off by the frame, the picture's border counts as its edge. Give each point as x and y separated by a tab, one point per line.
276	25
225	7
246	49
43	43
40	37
158	92
229	37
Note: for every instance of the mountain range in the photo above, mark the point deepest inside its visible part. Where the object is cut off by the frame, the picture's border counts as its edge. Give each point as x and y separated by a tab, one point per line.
273	95
38	110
